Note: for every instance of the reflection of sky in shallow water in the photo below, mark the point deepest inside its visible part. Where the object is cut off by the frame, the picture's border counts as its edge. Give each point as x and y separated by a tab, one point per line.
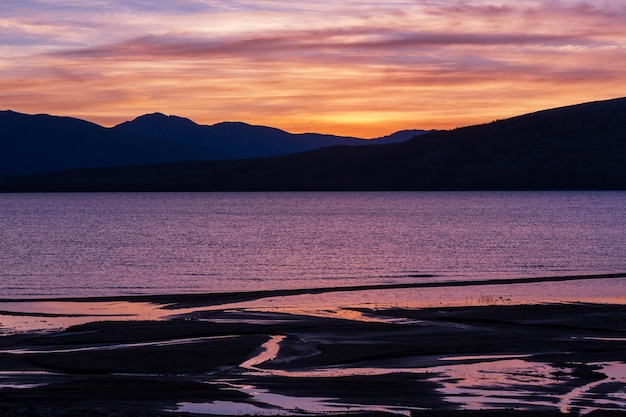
494	381
507	383
25	316
280	405
613	398
116	346
225	408
277	404
328	304
41	314
27	379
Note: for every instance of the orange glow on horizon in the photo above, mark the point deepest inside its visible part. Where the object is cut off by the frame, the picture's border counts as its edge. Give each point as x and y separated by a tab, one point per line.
363	68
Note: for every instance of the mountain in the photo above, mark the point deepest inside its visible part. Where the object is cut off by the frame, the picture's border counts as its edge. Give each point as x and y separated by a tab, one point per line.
574	147
41	143
236	140
32	144
400	136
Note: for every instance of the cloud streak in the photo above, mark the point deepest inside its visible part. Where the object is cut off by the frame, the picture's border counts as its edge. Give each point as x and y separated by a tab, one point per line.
359	67
334	42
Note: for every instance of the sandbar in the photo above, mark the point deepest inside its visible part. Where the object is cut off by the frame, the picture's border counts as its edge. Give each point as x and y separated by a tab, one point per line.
498	360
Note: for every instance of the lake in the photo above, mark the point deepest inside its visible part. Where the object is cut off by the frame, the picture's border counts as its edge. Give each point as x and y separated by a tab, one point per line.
366	250
153	243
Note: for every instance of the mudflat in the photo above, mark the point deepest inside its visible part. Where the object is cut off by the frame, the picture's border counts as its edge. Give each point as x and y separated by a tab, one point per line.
544	359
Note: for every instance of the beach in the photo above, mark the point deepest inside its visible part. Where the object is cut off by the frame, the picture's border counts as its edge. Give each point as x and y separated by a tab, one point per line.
495	359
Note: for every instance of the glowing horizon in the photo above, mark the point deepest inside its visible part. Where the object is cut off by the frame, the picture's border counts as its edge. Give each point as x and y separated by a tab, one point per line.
360	68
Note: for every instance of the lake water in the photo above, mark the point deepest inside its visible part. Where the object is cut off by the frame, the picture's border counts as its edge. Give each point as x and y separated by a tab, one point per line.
78	245
151	243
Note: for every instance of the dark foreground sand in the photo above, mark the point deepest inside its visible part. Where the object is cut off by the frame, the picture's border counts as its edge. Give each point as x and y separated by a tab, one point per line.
143	368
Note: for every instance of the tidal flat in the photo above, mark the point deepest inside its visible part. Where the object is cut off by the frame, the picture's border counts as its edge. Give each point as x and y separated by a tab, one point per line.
535	359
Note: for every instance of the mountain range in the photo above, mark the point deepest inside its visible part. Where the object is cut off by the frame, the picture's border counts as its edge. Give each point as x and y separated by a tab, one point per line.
568	148
34	144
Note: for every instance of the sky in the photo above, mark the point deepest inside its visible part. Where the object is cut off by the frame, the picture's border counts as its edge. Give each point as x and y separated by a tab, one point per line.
361	68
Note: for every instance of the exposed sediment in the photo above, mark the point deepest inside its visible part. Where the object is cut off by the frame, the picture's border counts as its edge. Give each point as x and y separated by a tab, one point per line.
407	361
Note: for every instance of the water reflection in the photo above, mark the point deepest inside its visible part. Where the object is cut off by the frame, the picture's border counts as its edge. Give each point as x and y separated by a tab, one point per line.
467	381
33	315
27	316
271	404
582	400
269	351
489	381
28	379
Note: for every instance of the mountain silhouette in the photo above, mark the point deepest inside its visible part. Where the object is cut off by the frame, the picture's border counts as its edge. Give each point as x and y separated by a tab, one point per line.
568	148
33	144
41	143
237	140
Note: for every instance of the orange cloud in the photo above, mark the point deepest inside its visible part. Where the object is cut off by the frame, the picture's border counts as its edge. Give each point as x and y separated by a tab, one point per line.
439	65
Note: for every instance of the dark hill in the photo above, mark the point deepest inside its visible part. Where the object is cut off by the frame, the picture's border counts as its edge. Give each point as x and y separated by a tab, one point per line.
42	143
575	147
33	144
237	140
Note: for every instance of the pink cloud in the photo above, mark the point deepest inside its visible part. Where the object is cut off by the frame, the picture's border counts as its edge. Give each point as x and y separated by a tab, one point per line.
332	41
431	64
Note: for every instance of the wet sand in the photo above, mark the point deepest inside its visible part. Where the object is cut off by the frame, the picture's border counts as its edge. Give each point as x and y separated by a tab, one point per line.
547	359
178	301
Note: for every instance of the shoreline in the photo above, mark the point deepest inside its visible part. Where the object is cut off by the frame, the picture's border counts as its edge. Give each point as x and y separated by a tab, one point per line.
545	358
200	299
52	313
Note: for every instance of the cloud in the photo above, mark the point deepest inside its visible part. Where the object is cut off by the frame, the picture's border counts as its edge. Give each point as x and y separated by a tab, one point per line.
484	8
331	42
298	65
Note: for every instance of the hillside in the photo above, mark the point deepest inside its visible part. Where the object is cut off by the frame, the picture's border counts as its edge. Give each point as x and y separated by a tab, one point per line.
574	147
42	143
237	140
33	144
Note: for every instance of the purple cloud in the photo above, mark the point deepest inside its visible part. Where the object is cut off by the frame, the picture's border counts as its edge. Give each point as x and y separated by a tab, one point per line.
344	62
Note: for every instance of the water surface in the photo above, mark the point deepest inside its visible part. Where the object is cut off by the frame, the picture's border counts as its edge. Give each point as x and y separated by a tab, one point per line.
148	243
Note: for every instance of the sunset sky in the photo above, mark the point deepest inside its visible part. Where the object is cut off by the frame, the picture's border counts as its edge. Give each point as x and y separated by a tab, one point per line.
363	68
